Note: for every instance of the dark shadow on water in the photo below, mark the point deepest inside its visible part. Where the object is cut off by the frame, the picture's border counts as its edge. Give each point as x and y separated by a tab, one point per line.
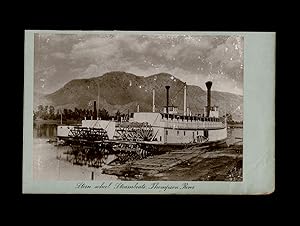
44	130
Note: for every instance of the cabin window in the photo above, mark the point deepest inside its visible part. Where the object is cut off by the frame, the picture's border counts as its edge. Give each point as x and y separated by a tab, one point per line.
159	138
177	132
183	133
166	132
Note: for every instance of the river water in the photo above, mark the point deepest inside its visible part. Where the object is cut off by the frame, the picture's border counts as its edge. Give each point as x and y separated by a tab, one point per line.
48	166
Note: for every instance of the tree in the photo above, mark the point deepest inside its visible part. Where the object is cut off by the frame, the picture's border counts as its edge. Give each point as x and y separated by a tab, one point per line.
118	116
66	113
70	114
40	108
103	114
51	112
44	114
34	115
57	115
40	111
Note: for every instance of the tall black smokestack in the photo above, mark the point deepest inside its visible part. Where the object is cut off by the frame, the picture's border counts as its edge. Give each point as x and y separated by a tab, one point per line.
167	87
95	111
208	86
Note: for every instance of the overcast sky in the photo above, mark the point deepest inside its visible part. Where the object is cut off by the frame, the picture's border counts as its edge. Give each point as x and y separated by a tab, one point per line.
194	59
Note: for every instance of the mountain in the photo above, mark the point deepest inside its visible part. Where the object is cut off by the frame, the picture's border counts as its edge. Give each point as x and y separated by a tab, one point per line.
122	91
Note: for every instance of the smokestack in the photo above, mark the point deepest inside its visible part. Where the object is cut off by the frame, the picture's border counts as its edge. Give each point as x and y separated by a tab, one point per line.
153	101
138	108
95	111
167	87
208	86
184	101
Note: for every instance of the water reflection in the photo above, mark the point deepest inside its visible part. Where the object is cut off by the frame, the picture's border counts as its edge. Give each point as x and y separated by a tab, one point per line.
44	130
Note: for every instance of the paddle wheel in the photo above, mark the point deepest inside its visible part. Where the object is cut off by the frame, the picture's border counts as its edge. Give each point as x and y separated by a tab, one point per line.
134	131
88	134
92	147
130	136
89	146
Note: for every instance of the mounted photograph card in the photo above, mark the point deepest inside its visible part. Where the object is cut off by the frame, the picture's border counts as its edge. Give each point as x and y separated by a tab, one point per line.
129	112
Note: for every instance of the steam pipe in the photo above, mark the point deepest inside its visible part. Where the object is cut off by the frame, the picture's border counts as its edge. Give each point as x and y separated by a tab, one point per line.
95	110
167	87
208	86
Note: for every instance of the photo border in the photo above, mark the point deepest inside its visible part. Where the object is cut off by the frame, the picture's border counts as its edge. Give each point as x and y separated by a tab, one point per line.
258	125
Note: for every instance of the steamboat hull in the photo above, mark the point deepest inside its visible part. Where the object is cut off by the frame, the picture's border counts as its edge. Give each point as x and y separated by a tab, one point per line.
109	144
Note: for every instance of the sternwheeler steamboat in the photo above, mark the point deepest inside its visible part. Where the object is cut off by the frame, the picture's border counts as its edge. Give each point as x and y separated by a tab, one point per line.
145	133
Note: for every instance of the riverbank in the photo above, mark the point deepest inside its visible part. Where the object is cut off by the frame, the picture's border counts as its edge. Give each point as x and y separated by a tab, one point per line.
191	164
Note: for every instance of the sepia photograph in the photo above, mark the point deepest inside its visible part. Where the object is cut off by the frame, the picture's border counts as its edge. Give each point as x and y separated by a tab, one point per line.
120	106
149	112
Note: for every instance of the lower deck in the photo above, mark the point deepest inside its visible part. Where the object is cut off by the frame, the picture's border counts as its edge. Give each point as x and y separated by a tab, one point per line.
159	135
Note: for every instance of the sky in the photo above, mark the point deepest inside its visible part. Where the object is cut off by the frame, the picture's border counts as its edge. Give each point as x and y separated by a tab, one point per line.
194	59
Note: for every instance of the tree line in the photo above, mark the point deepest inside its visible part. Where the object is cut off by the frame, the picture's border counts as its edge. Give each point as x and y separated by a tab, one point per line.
50	113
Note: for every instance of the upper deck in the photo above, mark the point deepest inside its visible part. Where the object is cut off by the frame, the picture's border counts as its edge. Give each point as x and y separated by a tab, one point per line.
176	121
